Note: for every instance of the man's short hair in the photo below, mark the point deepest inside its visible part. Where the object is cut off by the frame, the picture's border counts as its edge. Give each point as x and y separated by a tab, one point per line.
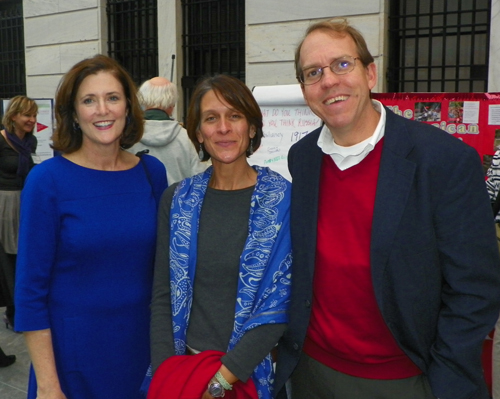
336	27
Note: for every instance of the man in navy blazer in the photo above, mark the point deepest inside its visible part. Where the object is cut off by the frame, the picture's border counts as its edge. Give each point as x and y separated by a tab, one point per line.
396	271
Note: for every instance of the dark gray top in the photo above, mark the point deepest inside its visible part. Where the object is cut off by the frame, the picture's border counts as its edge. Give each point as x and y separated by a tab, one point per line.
9	161
221	238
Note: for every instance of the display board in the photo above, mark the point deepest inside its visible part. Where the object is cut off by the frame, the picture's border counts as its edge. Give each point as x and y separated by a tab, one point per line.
287	119
473	118
44	129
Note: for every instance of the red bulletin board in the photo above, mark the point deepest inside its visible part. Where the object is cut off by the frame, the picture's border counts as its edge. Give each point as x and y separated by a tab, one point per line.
473	118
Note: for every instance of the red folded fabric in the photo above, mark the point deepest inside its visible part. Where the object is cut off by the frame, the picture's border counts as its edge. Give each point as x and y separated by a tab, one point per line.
187	377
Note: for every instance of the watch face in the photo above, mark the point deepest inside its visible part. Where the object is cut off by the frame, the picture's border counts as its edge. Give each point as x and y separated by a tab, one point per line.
215	389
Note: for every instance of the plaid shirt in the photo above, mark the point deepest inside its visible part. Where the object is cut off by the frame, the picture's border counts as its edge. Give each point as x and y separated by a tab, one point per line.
493	182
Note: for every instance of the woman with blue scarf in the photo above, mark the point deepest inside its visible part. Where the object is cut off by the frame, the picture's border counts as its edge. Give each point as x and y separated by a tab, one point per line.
17	144
222	271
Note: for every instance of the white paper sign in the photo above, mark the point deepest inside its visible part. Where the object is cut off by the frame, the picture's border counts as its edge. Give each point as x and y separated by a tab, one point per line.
494	114
471	112
287	119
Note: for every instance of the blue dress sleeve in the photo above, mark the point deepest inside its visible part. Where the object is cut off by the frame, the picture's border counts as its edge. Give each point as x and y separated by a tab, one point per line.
38	232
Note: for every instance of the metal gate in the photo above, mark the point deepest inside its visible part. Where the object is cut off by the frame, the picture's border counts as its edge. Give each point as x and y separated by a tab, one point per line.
133	36
12	62
213	40
439	45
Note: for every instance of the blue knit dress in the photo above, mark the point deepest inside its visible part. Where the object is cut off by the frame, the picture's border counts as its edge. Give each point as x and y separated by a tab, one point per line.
85	268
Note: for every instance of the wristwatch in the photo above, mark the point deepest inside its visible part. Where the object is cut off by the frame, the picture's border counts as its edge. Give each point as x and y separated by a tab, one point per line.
216	389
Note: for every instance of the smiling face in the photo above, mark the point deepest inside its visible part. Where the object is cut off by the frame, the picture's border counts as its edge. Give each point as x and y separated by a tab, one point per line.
24	123
341	101
223	130
101	110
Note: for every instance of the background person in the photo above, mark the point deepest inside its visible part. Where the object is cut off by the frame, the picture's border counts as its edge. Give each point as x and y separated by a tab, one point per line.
17	144
396	270
164	137
86	243
493	185
223	254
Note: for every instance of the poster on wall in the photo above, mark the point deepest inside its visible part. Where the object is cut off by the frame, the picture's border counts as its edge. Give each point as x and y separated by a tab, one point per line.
287	119
473	118
44	129
3	107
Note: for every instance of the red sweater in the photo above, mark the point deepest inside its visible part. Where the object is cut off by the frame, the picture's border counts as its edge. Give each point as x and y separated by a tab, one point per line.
346	330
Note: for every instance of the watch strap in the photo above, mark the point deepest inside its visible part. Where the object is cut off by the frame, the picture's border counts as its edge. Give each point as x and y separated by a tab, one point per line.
220	378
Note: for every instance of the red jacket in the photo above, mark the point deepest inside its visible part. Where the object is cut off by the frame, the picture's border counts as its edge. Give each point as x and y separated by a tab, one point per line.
187	377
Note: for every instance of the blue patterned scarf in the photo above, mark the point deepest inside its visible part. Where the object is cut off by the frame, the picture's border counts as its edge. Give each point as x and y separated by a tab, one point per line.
264	278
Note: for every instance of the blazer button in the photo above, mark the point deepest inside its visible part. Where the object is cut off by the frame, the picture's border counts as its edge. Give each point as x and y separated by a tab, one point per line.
307	303
296	346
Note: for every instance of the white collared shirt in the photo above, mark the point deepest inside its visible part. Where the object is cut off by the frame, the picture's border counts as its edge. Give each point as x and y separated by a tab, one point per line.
346	157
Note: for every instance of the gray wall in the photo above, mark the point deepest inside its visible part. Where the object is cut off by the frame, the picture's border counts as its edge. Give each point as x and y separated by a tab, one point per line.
57	34
274	28
494	67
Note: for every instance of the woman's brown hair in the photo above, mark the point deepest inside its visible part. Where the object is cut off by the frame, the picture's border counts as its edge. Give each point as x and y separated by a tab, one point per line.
236	94
68	136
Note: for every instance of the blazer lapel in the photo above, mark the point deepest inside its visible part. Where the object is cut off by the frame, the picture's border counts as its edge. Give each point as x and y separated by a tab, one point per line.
395	180
305	185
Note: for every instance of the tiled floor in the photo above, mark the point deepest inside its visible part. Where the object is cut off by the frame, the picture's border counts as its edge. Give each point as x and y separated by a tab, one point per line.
13	379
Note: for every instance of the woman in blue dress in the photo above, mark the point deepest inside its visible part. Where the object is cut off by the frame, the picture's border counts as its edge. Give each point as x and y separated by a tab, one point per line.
87	241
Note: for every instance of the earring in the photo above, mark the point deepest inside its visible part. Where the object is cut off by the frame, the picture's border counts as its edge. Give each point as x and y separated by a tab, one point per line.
201	153
76	126
250	147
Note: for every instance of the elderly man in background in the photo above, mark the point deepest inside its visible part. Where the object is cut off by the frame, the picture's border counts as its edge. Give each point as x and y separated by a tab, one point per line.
164	137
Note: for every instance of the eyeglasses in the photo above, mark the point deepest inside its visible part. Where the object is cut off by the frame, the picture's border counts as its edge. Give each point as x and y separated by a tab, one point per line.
339	66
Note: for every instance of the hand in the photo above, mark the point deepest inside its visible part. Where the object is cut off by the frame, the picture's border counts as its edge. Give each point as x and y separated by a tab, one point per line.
53	394
206	395
39	344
